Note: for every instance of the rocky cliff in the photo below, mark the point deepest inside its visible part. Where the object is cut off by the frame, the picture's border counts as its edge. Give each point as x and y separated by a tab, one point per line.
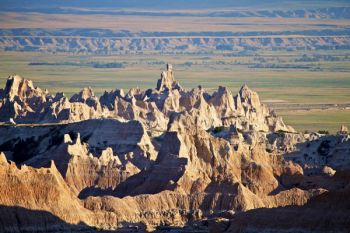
163	157
21	102
176	42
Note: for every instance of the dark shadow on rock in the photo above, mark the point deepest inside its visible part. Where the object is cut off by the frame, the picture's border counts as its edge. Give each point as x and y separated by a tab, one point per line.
328	212
95	192
325	150
14	219
162	175
217	203
19	219
98	133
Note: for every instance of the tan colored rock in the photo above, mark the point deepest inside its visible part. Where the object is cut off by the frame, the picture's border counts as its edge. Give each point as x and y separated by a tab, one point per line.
152	107
343	130
169	157
328	171
85	173
107	157
21	99
167	80
324	212
224	102
3	158
24	89
88	97
37	198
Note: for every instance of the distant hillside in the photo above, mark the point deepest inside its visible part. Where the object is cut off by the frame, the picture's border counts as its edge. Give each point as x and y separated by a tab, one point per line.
94	42
317	13
164	26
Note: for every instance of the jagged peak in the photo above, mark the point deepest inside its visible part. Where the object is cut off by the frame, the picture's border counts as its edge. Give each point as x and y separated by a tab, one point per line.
77	148
3	158
244	88
169	67
67	138
107	157
222	89
167	80
135	91
249	96
85	94
78	141
53	165
137	102
343	129
18	86
16	77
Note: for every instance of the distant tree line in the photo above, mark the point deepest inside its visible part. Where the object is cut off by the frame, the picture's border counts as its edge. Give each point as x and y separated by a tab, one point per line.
87	64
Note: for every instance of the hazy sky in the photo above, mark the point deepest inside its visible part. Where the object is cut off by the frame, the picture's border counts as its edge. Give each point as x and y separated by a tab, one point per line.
162	4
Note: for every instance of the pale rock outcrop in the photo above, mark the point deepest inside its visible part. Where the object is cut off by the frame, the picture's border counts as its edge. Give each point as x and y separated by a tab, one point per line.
343	130
257	116
28	104
201	173
170	103
87	97
153	107
328	171
107	158
85	172
17	86
194	163
41	190
315	151
21	100
224	102
90	160
167	81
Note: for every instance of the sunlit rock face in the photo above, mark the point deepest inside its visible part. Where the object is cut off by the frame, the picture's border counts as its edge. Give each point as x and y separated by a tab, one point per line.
24	103
158	157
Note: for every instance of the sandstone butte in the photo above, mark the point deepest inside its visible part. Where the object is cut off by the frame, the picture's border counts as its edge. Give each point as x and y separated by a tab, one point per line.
164	159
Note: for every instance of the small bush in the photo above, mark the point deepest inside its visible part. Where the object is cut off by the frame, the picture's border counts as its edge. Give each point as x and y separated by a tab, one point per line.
218	129
323	132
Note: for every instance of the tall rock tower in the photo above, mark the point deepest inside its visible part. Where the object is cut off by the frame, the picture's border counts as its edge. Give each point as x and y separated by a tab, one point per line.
167	80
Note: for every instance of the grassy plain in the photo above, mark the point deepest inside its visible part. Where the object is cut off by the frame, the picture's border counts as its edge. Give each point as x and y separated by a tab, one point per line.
315	120
165	24
323	82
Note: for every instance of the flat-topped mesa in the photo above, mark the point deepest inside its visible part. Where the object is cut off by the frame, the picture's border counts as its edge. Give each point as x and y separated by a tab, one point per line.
167	80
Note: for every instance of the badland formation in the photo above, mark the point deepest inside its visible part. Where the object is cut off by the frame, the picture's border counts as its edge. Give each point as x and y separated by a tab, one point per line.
164	159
